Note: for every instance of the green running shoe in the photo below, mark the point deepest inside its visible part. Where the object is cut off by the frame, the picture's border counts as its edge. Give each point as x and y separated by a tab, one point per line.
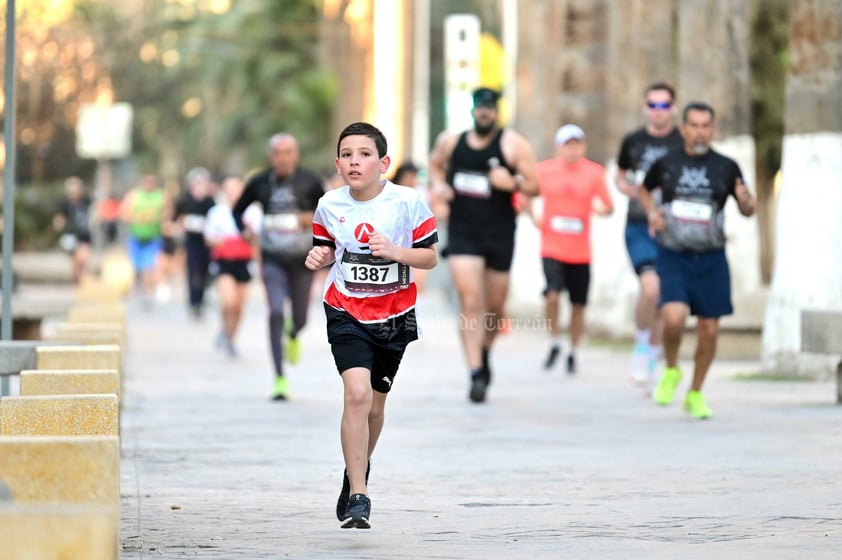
665	391
280	392
292	351
292	348
695	404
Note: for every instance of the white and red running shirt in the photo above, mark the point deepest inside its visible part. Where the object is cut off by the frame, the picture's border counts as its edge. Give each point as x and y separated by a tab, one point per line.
370	289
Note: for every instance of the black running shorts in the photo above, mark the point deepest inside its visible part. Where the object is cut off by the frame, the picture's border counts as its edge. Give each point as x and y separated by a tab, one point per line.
575	278
353	345
497	249
351	351
238	269
169	245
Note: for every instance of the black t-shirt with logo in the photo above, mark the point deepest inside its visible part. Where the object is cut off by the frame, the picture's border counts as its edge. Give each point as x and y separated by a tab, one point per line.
194	211
694	192
282	238
638	151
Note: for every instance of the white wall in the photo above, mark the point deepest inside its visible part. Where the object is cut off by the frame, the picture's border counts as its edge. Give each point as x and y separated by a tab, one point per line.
808	252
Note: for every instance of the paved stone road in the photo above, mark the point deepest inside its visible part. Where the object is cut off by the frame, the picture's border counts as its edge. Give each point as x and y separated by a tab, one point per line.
551	467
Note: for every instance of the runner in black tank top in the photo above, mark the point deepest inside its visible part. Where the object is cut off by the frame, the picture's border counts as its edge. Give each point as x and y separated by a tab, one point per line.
477	173
478	211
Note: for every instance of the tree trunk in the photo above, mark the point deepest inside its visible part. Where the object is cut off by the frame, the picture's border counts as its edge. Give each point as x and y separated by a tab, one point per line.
808	254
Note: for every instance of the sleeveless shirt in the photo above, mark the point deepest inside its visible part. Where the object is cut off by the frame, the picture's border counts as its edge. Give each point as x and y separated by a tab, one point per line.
477	207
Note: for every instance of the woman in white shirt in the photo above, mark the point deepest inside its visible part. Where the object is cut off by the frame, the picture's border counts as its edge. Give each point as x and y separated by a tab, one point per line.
231	255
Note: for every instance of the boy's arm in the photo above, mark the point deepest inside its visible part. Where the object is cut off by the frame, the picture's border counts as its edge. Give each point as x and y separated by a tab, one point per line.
320	256
425	257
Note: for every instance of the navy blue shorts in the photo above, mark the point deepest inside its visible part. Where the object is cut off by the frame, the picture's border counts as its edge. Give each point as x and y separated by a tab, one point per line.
701	280
643	250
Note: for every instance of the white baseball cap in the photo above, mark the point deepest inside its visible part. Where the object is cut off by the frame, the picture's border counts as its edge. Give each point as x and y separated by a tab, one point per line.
567	133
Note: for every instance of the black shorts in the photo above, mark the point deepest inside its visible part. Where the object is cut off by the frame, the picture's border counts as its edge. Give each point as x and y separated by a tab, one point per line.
496	248
575	278
238	269
353	345
168	246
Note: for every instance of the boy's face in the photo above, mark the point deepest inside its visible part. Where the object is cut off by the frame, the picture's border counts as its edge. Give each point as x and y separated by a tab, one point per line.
358	162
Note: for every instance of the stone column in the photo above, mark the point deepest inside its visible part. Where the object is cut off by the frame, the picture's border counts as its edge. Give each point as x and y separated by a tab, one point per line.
346	31
542	31
641	50
808	251
714	60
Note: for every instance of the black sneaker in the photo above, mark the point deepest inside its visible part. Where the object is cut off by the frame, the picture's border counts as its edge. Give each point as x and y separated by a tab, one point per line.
342	502
479	384
571	364
552	357
359	510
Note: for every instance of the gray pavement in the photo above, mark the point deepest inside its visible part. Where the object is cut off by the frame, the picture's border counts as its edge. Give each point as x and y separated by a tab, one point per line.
551	466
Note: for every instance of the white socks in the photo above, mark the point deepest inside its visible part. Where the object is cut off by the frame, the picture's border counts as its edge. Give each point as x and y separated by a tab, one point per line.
642	336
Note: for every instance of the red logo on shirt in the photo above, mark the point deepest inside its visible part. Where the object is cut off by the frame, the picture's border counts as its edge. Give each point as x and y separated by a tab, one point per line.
362	231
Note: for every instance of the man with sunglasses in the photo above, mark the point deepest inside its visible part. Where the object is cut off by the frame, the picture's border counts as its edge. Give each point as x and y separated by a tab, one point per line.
639	150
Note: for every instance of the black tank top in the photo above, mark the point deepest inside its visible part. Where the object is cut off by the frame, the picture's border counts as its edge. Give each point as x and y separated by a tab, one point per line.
476	207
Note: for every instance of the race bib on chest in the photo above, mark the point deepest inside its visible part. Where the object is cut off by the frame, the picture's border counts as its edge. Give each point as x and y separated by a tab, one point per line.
567	225
194	223
692	211
692	225
284	222
363	272
472	184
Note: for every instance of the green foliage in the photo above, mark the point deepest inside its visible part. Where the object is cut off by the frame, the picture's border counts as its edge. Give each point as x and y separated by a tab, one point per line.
34	211
217	84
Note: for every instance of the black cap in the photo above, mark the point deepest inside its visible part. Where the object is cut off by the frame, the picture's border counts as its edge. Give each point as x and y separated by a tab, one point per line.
485	97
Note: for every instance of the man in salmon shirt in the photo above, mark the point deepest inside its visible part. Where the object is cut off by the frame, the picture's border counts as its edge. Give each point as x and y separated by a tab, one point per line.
572	188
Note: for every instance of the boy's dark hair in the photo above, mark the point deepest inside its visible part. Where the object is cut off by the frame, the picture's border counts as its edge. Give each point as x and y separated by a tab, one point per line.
660	86
697	106
364	129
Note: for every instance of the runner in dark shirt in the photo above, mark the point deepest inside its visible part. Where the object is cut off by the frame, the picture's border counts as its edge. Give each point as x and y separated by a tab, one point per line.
639	150
289	195
73	221
190	212
695	278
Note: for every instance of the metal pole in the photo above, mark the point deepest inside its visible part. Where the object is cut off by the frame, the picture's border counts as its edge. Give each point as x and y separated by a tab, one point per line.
421	84
8	184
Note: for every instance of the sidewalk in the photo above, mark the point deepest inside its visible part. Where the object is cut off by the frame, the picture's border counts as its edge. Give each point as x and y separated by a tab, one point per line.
550	467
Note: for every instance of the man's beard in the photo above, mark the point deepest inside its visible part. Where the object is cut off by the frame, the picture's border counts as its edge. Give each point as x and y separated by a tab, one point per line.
700	149
483	130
